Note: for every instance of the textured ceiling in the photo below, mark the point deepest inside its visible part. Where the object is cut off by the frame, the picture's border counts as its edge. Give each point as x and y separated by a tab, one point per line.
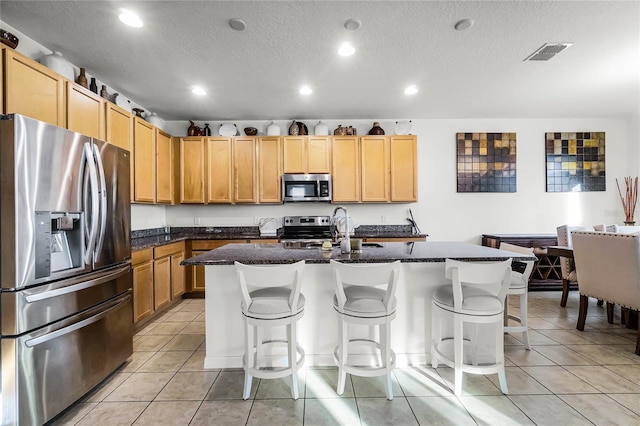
256	73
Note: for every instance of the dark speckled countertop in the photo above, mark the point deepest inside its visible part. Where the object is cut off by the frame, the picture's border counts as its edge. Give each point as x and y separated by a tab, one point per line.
147	238
277	253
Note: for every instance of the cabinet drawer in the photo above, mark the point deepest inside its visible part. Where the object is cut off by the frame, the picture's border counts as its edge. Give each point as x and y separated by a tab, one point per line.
140	256
168	249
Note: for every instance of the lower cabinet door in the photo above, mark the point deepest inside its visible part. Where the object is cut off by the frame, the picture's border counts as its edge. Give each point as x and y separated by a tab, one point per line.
142	291
161	282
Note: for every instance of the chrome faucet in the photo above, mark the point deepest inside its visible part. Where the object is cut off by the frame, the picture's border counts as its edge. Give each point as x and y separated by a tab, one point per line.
345	244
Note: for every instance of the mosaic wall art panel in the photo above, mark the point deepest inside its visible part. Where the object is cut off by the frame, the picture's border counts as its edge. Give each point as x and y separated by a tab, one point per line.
575	161
486	162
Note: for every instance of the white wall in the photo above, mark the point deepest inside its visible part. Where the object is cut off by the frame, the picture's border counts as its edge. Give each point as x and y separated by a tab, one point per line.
442	212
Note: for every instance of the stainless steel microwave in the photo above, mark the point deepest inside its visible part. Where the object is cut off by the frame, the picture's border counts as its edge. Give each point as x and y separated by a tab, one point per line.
306	187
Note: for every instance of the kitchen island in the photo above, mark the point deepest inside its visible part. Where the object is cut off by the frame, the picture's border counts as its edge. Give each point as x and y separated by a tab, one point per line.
422	270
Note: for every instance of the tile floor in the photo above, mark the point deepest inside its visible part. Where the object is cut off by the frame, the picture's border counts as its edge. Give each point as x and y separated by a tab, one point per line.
568	378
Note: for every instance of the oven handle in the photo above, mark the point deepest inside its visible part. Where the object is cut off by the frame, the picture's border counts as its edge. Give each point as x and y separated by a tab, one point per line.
76	287
73	327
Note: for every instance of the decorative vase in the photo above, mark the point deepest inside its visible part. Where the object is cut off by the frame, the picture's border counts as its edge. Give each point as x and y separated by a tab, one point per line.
207	130
154	120
273	129
294	129
321	129
340	131
191	131
103	92
93	86
82	79
57	63
302	128
376	129
138	112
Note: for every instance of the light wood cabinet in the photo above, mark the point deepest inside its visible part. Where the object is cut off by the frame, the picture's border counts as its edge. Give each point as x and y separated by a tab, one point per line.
192	170
142	265
85	111
33	90
346	169
144	165
161	282
220	171
269	170
119	126
306	154
177	275
244	170
404	168
165	174
374	155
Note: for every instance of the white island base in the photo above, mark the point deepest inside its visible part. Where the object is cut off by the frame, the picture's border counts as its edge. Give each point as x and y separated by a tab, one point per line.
318	329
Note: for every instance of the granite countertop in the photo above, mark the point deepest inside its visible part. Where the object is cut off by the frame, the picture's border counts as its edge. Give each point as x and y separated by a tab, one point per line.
159	236
277	253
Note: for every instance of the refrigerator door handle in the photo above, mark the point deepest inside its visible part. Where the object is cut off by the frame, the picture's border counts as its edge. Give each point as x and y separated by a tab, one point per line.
93	181
75	287
71	328
103	199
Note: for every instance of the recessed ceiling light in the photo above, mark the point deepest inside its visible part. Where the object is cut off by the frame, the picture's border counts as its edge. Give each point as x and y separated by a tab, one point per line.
411	90
237	24
130	18
346	49
352	24
198	91
306	90
463	24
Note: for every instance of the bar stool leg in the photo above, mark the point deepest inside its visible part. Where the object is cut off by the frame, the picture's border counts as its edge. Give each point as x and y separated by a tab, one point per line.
293	357
342	355
249	360
458	342
385	341
523	320
436	336
502	377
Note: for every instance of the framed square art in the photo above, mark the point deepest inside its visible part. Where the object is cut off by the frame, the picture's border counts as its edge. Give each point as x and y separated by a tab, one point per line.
486	162
575	161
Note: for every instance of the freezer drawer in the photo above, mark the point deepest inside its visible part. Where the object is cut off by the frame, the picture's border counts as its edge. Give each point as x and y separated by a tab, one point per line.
47	370
28	309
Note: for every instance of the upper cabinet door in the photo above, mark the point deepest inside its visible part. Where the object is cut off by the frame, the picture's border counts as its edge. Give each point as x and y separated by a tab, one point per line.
164	167
33	90
319	154
244	170
375	168
404	168
144	164
346	169
119	125
192	170
219	166
294	154
85	111
269	170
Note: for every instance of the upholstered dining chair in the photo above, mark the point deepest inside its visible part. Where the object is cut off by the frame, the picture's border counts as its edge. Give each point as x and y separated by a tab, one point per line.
608	266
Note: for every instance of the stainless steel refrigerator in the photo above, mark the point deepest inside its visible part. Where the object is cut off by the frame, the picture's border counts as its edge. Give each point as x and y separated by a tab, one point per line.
65	247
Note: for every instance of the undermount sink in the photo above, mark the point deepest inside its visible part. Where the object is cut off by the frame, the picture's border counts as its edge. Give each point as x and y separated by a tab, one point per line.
336	244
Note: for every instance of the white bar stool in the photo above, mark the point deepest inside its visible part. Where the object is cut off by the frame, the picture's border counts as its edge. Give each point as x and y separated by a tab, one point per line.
519	286
270	298
359	300
476	295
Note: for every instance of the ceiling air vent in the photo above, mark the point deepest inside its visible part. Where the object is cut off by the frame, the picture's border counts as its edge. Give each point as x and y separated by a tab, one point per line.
547	51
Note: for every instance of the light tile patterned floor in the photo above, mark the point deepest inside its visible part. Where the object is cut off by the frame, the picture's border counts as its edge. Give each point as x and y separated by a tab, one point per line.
569	378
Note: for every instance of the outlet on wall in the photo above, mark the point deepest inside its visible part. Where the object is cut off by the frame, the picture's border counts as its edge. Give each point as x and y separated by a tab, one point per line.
383	219
196	221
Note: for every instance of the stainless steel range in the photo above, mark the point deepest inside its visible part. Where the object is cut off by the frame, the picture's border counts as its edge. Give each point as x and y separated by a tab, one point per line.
306	229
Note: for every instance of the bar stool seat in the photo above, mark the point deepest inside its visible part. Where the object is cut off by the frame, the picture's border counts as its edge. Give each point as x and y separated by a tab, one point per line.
359	300
271	298
475	296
